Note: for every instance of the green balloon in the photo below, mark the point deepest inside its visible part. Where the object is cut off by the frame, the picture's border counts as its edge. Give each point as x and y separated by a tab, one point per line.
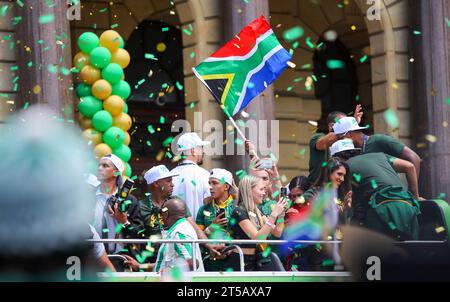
112	73
100	57
102	120
129	171
121	89
125	107
123	152
114	137
89	106
83	90
122	43
88	41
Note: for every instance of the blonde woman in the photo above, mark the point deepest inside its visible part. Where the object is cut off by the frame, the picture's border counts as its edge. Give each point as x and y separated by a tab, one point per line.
248	222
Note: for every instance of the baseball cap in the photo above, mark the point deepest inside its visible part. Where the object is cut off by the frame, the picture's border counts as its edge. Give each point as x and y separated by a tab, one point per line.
157	173
342	145
117	162
224	176
190	140
346	124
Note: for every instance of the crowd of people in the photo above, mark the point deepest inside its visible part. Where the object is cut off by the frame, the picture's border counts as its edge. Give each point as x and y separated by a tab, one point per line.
189	202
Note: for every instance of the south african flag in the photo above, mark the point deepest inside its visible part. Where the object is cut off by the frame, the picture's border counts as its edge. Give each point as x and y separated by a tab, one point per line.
244	67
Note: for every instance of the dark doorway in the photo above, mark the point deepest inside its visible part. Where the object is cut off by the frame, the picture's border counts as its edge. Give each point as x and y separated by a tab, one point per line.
157	82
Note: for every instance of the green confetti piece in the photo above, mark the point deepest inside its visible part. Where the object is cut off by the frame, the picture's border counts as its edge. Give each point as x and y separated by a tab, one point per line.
14	68
3	10
357	177
119	228
179	86
363	59
192	105
193	183
302	152
20	3
293	33
327	262
134	177
165	29
105	230
391	118
239	141
306	66
320	45
187	31
148	143
65	71
296	80
275	194
150	56
447	101
114	25
103	10
447	21
169	155
392	225
289	88
26	105
441	196
295	45
151	129
162	119
52	69
314	78
309	43
373	183
45	19
164	86
141	82
40	41
335	64
416	32
266	253
340	5
192	55
167	141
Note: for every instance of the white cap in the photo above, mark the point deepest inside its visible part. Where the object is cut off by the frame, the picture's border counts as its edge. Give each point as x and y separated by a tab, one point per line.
157	173
117	162
222	175
342	145
190	140
346	124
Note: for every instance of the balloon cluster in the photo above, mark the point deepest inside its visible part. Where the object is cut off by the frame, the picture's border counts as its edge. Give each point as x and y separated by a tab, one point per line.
102	92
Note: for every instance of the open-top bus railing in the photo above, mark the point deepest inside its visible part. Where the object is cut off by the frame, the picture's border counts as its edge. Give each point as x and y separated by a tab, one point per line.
234	242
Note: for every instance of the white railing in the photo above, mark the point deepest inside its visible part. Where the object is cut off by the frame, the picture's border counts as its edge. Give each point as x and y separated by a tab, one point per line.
237	241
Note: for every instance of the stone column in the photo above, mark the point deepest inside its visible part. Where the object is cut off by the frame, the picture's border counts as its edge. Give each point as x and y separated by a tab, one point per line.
45	56
236	15
430	91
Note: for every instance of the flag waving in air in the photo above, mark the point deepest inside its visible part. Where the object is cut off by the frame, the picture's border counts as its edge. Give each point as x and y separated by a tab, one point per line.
244	67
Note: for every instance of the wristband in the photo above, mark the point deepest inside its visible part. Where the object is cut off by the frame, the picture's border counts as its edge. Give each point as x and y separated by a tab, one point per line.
271	225
126	224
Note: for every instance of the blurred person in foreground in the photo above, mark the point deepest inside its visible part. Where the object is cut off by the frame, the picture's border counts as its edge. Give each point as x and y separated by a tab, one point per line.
45	204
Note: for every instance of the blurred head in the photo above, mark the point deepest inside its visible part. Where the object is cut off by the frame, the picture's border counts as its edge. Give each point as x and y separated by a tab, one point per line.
45	203
251	194
172	210
297	187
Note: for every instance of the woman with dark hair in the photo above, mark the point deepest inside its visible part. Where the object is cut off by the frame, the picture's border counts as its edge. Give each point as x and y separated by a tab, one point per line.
335	175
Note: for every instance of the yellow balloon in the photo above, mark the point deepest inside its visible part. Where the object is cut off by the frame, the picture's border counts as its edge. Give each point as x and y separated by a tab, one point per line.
127	139
121	57
93	135
85	122
110	39
101	89
101	150
123	77
80	60
90	74
123	121
114	105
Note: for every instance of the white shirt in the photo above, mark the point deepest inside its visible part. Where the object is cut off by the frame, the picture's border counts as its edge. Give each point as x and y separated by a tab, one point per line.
111	222
191	185
99	248
169	252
